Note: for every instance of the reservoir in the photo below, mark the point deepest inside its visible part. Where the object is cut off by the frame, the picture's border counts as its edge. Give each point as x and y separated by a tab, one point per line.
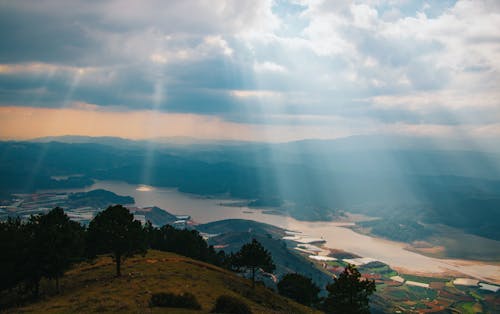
203	209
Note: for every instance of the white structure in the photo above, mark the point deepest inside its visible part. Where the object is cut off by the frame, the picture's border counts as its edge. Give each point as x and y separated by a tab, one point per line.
304	250
359	261
488	287
398	279
310	247
465	282
304	239
417	284
321	258
207	236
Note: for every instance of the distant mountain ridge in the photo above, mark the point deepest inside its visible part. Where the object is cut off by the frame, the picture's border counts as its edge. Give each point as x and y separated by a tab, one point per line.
117	141
355	142
313	180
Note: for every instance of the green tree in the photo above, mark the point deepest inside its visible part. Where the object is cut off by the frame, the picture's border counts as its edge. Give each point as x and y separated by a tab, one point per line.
349	293
299	288
185	242
57	242
115	231
14	240
253	256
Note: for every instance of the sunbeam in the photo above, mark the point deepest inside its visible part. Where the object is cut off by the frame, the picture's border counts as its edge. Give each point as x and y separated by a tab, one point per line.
44	151
158	98
336	141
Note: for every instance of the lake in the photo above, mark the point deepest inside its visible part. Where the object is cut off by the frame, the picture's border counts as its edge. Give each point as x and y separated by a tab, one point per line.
203	210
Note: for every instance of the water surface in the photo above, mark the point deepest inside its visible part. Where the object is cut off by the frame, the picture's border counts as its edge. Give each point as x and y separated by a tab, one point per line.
203	210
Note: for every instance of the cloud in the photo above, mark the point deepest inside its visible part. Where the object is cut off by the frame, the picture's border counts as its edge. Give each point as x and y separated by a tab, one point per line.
385	63
269	67
255	93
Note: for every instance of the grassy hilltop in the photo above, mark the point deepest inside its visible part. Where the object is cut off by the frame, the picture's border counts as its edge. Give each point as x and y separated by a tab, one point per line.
88	288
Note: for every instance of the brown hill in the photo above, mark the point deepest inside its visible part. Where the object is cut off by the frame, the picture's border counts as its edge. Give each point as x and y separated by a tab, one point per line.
89	288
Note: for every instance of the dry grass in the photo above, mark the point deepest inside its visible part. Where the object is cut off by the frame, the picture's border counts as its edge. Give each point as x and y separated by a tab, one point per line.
91	288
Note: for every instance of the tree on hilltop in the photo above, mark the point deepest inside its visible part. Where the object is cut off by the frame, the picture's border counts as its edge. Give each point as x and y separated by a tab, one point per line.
14	241
57	242
44	246
349	293
115	231
253	256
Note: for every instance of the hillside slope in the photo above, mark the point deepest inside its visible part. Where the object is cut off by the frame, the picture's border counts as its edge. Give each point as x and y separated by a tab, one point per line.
232	234
89	288
241	225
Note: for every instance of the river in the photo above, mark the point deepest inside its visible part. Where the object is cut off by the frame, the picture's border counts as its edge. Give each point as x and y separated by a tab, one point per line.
335	234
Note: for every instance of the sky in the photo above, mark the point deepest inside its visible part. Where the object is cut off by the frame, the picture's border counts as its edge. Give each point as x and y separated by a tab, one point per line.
264	70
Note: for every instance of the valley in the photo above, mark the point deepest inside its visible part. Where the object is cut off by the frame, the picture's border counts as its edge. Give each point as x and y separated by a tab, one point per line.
338	235
406	281
314	220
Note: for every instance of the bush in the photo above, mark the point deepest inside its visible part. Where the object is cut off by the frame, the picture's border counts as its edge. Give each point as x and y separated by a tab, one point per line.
185	300
299	288
230	305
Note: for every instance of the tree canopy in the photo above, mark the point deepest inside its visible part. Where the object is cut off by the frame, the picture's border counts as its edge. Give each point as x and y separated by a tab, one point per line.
253	256
115	231
56	242
299	288
185	242
349	293
44	246
14	247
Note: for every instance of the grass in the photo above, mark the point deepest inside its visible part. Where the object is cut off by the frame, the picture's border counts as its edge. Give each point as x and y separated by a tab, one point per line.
396	294
469	307
391	274
476	296
418	293
403	293
336	263
382	270
92	288
424	279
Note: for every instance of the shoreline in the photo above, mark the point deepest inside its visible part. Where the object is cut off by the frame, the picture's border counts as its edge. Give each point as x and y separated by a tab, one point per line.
206	209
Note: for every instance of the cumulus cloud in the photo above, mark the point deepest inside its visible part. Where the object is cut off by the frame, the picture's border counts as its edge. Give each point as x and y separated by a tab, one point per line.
386	63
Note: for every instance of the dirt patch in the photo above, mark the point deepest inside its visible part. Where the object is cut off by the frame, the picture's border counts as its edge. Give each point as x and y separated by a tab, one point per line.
436	251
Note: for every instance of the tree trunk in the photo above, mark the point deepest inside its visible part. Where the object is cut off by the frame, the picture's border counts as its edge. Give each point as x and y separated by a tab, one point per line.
57	285
253	277
118	265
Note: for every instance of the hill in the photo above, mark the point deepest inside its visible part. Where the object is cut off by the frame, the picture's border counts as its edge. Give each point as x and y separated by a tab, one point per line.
156	215
97	198
241	225
232	234
91	288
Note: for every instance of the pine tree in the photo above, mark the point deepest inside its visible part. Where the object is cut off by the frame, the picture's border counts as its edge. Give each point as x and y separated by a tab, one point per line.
14	240
349	293
115	231
299	288
253	256
57	242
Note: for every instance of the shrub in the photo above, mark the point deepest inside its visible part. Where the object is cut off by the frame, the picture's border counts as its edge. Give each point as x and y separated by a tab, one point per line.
230	305
166	299
299	288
